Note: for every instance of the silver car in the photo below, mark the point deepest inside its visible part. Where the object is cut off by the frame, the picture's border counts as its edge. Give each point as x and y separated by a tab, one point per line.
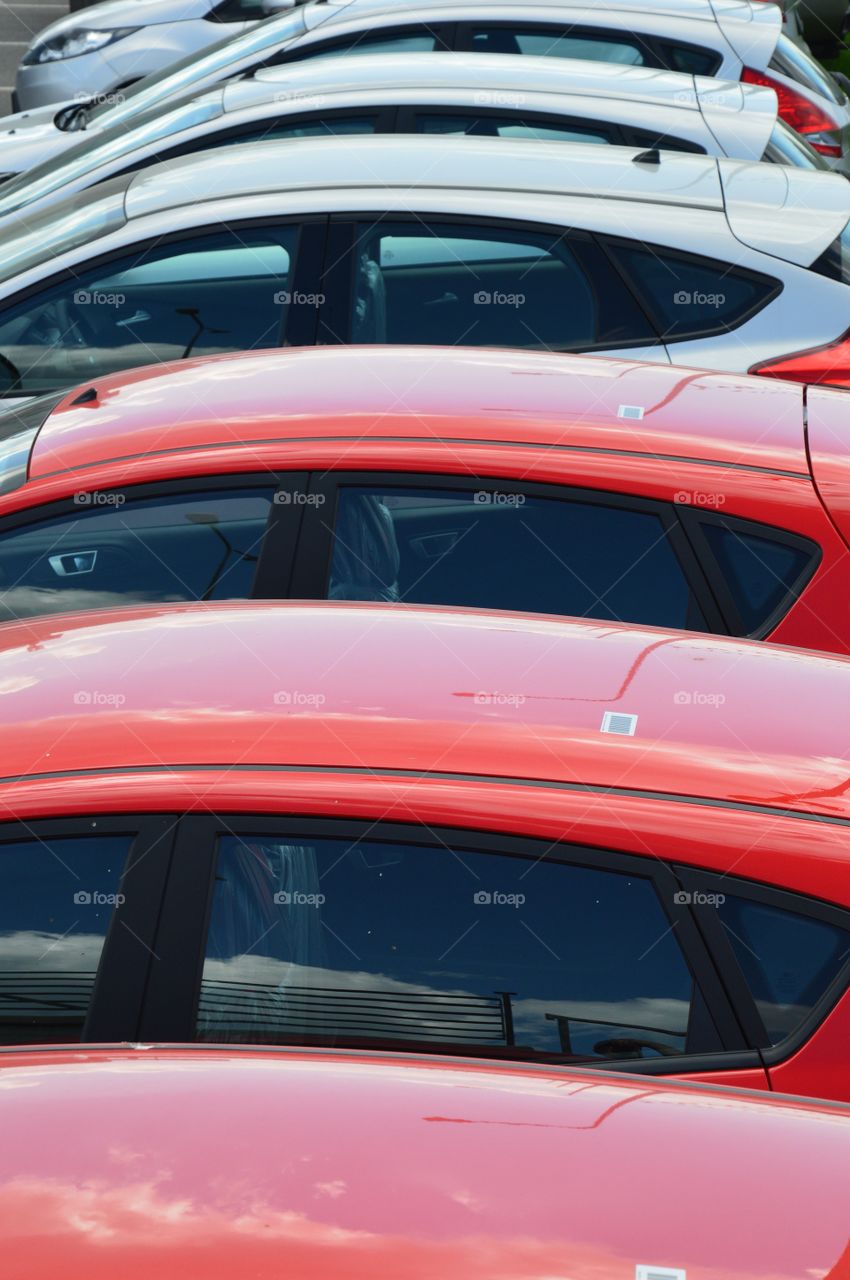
728	39
544	99
662	256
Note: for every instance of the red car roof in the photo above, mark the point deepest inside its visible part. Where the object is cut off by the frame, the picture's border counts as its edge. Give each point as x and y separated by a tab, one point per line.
372	687
428	393
212	1165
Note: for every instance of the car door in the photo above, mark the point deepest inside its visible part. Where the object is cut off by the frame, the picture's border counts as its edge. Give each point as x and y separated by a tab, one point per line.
201	292
426	279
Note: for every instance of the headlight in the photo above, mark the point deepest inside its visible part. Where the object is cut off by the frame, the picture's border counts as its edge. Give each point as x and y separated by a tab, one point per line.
73	43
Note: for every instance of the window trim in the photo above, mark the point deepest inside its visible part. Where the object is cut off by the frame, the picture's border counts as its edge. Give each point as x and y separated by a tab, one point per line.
409	114
731	974
314	553
174	992
444	34
693	521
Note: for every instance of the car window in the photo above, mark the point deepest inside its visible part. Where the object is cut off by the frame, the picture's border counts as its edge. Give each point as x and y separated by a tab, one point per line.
512	126
763	569
552	42
389	944
690	59
58	897
487	548
114	549
788	959
787	146
407	41
225	291
326	126
437	283
237	11
688	296
790	60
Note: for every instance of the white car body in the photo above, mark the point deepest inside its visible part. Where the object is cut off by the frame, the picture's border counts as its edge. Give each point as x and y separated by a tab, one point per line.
739	219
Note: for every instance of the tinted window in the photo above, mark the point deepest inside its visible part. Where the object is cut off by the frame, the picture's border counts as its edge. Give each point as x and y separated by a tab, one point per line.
788	959
787	146
237	11
199	296
834	262
56	903
553	43
327	126
112	551
423	41
691	297
389	944
445	284
693	61
492	549
761	570
792	61
488	126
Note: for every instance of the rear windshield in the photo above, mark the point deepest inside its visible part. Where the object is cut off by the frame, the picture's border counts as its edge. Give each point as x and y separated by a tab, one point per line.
791	61
787	146
834	262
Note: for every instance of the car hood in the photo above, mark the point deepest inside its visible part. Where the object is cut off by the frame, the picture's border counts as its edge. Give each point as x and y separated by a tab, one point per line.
39	120
127	13
209	1163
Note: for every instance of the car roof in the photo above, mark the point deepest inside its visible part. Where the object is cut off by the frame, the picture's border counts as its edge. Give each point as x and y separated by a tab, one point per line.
358	395
215	1162
320	686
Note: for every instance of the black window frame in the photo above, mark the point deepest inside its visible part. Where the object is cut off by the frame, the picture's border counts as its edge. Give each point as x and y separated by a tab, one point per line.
174	990
699	881
408	115
299	323
443	32
120	984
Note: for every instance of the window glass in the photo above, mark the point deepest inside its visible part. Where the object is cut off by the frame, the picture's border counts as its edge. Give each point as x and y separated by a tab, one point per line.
114	551
510	127
405	42
57	900
691	297
761	571
834	262
553	43
696	62
221	292
788	959
790	60
488	286
238	11
787	146
491	549
368	943
329	126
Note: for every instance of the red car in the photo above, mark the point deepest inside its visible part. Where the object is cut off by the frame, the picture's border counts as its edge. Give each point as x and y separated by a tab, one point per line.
205	1164
562	484
354	825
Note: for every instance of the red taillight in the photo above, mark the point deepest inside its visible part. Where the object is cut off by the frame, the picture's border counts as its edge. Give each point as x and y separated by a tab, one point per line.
829	365
798	112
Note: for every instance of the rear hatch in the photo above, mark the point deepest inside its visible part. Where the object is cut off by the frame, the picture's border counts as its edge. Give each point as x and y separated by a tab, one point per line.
792	214
740	116
751	30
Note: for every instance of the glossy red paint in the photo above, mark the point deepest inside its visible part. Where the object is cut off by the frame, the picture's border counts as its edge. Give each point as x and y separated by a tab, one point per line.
734	443
265	1164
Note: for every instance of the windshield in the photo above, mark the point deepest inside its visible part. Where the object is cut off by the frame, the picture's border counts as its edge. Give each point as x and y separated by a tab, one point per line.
197	70
786	146
94	150
61	227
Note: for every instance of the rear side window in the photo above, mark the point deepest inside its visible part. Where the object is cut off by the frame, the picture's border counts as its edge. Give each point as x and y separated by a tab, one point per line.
509	550
788	959
366	943
834	262
688	296
113	551
410	40
482	125
763	569
690	59
553	43
787	146
57	899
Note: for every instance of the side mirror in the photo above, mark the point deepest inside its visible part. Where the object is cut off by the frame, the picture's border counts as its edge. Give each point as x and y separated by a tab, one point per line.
271	8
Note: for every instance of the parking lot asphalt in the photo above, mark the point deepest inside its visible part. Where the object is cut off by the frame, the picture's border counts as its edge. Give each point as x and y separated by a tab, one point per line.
18	24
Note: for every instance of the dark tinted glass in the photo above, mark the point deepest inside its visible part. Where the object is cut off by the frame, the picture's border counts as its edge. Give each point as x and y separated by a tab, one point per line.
691	297
761	571
409	41
553	43
360	942
438	283
786	146
489	549
57	897
327	127
114	551
512	126
688	58
788	959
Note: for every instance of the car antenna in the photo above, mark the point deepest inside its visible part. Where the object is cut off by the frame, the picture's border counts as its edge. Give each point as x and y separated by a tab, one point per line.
86	397
652	156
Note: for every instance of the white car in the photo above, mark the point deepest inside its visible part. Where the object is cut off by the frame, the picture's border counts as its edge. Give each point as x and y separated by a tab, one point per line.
660	256
728	39
545	99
